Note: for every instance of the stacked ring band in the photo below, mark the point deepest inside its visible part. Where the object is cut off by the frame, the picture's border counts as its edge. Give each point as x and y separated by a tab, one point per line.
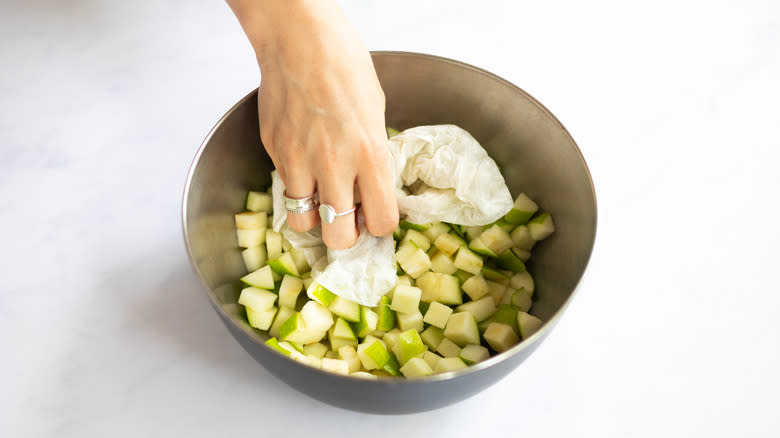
299	205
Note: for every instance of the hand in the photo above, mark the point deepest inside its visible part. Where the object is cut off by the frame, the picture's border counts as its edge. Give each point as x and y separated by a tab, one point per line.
321	112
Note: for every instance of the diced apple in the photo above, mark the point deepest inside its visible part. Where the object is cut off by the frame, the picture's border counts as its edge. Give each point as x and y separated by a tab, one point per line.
437	314
337	366
440	287
263	278
282	316
349	354
541	226
259	201
496	239
415	264
522	210
528	324
254	258
300	261
521	300
474	353
496	291
447	348
250	220
260	319
367	323
442	263
410	321
511	260
409	345
274	344
316	317
432	337
317	349
273	244
250	238
449	364
372	355
257	299
406	299
524	280
522	237
500	337
416	367
462	329
435	230
386	316
480	309
448	243
284	265
475	287
320	293
391	338
468	261
431	358
289	290
419	239
345	308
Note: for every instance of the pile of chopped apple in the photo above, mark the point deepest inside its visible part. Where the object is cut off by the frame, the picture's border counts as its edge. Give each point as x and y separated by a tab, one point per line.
463	294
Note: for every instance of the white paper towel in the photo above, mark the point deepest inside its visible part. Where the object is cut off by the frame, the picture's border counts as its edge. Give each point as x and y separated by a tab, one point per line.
460	184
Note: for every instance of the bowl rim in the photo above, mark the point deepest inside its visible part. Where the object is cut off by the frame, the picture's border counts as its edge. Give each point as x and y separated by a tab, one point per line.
475	368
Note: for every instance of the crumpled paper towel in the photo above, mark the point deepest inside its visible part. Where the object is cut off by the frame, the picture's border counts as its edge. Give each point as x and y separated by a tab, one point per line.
461	184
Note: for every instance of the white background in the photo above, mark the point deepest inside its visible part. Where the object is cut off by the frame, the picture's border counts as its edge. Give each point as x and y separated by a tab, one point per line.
674	331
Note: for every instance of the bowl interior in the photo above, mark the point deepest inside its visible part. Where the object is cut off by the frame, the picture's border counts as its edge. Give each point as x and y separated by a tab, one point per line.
534	151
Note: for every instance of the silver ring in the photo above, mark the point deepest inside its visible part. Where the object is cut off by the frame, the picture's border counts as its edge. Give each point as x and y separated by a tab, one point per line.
328	214
299	205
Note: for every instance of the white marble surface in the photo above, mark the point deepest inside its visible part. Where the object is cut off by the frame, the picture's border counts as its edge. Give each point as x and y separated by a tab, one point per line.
104	331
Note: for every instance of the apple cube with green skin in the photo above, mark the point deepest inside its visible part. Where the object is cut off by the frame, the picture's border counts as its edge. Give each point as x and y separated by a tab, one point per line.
337	366
386	320
528	324
260	319
437	314
372	355
274	344
522	210
294	329
263	278
431	359
341	335
273	244
316	317
449	243
522	300
435	230
480	309
432	337
447	348
284	265
449	364
473	353
317	350
468	261
473	232
479	247
409	345
419	239
496	291
282	316
523	254
257	299
259	201
320	293
475	287
254	258
443	264
416	367
414	262
406	225
289	290
500	337
511	259
367	324
349	354
462	329
541	226
523	280
496	239
250	220
406	299
300	261
250	238
345	308
391	338
410	321
440	287
505	314
492	274
522	237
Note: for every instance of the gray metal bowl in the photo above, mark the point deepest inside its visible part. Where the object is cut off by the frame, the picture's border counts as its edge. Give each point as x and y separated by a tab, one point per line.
535	152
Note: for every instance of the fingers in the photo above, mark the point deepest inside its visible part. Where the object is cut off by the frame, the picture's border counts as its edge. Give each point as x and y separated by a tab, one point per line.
299	183
337	191
377	192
